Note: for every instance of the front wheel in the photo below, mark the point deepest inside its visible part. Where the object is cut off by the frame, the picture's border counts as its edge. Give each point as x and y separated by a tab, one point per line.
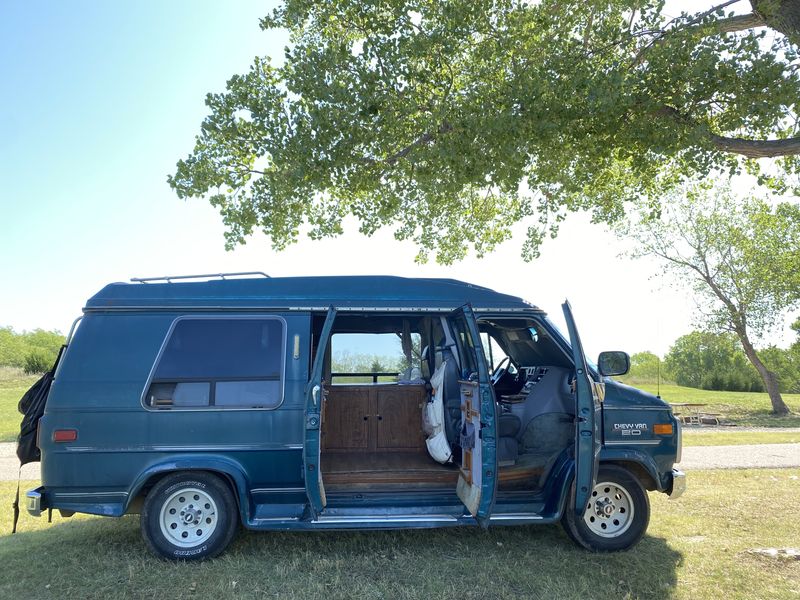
616	516
190	516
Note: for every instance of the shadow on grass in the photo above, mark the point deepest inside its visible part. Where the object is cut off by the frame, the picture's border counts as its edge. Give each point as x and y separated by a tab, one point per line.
106	558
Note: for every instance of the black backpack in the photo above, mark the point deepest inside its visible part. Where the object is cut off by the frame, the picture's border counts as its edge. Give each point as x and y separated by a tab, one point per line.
32	407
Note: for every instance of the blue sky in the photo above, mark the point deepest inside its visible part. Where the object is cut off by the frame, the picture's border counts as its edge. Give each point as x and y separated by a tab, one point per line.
98	100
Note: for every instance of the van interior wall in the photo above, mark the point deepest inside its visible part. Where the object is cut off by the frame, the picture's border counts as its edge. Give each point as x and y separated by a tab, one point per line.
372	436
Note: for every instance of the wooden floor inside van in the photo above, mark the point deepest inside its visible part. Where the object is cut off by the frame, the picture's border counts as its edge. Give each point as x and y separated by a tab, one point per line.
413	469
386	467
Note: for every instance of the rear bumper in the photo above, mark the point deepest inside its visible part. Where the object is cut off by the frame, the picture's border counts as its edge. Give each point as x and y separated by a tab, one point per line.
678	486
34	502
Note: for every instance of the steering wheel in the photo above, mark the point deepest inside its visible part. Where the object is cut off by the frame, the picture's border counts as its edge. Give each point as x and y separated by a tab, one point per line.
500	370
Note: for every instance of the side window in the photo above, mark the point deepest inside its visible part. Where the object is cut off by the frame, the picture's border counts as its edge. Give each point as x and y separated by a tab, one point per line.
222	363
375	357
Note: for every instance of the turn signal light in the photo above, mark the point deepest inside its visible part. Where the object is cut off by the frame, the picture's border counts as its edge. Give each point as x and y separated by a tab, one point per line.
65	435
663	429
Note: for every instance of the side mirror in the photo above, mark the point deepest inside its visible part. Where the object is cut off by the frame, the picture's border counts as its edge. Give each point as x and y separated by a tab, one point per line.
613	363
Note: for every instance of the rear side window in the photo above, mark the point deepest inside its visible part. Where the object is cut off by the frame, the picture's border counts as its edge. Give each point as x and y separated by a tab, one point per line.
220	363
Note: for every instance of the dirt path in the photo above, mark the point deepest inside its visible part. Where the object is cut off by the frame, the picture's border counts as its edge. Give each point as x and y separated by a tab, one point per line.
9	464
694	457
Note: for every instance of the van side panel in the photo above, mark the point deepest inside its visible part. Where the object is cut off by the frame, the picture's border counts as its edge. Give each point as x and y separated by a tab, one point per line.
99	393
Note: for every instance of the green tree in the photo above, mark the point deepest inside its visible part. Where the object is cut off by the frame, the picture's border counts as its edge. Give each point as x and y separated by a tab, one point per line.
711	361
12	351
785	363
450	121
743	258
37	361
645	366
16	347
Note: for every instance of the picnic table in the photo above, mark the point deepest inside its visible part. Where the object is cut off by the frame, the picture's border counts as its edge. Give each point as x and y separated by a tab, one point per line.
692	413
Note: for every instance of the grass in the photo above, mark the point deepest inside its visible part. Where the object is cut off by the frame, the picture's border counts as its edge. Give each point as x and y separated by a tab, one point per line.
13	384
696	548
729	438
751	409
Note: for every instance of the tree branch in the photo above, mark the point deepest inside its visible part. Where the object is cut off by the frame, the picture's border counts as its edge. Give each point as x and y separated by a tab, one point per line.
757	148
724	25
737	145
423	139
738	23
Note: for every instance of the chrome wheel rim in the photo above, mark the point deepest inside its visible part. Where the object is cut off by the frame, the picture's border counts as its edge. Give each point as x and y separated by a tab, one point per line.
188	517
609	512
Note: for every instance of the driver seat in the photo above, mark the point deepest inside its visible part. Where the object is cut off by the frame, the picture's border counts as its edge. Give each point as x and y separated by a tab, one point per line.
508	427
452	402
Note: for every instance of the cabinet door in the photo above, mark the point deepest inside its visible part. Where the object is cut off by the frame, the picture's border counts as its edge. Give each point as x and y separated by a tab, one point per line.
400	418
347	421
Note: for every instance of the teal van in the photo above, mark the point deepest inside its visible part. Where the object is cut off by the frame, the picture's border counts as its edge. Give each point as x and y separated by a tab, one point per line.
201	405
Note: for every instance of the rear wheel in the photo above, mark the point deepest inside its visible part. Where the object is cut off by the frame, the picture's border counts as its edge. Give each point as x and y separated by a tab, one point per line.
190	516
616	516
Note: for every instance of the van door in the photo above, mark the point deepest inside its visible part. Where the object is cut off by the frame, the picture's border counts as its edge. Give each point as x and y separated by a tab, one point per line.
477	480
312	444
587	422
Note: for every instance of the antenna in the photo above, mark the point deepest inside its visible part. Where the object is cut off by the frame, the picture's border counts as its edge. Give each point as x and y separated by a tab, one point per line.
658	379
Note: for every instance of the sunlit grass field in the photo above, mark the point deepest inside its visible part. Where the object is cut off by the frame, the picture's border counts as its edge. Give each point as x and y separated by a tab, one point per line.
696	548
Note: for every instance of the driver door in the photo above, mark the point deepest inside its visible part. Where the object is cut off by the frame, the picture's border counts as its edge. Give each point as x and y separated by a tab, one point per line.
312	444
477	479
587	422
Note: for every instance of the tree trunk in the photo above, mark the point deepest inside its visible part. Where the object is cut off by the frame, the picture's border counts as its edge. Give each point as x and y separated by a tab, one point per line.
779	407
781	15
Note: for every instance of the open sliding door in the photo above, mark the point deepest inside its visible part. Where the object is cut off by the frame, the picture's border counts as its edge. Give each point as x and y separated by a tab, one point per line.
477	480
312	445
588	420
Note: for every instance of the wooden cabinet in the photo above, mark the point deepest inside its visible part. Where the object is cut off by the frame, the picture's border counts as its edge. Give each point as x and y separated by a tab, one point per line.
373	418
346	424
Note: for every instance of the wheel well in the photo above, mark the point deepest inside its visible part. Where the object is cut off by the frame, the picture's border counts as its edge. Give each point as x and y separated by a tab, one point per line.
134	507
636	469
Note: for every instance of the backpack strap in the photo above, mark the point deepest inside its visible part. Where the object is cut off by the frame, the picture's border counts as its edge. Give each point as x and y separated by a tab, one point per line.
15	504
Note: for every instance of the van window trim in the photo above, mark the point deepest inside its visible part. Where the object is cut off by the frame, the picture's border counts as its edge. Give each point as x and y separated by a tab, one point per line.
214	407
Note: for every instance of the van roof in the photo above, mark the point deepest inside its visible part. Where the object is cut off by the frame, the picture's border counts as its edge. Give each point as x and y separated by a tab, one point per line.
306	293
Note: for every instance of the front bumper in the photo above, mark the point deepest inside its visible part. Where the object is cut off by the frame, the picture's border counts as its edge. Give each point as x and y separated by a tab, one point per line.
34	502
678	484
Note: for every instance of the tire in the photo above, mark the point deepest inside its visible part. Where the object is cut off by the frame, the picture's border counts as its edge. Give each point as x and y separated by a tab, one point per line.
617	513
189	516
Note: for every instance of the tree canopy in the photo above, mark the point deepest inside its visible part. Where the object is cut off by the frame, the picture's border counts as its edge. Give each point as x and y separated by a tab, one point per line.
711	361
34	351
451	121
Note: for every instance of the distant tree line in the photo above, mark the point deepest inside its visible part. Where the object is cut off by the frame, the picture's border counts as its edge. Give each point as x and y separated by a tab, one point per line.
33	351
716	361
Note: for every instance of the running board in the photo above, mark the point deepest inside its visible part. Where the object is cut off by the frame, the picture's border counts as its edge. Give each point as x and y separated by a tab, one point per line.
390	521
347	519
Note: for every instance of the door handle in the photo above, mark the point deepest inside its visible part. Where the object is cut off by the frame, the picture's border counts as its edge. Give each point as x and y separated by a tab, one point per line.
315	394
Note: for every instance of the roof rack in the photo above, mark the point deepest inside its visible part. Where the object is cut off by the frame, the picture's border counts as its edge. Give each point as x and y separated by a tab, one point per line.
170	278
